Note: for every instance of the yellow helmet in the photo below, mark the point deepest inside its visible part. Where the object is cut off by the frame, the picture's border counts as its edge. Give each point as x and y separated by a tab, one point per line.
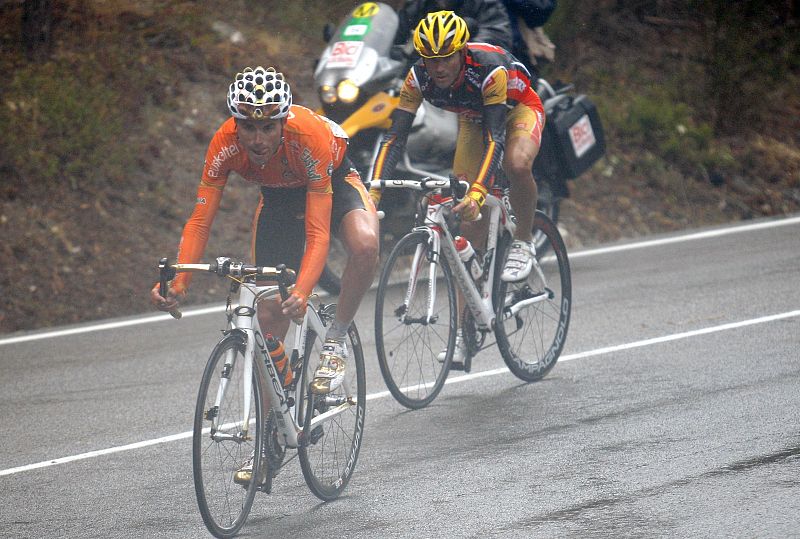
440	34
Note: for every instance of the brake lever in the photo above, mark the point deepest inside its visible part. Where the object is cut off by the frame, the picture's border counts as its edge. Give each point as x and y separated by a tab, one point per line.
165	274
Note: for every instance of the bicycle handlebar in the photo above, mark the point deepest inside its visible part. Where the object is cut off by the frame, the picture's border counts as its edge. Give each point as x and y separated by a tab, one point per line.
225	267
459	187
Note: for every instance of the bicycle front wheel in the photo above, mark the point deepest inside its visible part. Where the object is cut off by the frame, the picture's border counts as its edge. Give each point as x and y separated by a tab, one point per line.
224	440
328	451
414	336
533	315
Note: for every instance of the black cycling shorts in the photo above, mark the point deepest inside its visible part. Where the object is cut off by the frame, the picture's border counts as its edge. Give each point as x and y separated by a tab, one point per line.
280	234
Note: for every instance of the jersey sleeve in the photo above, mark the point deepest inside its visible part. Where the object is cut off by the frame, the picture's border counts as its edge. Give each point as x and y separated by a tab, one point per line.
495	87
196	232
318	219
318	155
395	139
219	156
410	93
222	156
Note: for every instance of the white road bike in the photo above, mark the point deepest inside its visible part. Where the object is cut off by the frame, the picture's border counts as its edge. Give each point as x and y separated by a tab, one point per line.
415	308
244	411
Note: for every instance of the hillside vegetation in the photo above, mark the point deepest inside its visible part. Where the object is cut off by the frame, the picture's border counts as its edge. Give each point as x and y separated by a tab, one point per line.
105	125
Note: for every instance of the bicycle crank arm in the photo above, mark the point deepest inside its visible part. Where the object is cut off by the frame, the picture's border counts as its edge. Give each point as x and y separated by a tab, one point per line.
420	320
220	437
525	303
330	414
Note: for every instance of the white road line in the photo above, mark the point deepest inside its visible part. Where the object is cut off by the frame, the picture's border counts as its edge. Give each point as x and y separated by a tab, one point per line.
687	237
110	325
578	254
458	379
645	342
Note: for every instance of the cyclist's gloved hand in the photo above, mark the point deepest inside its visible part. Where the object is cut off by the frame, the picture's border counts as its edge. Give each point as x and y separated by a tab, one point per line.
375	195
175	294
470	206
295	305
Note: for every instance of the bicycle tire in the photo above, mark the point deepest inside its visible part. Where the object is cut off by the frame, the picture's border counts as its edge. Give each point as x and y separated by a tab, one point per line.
548	203
408	351
539	330
225	505
328	454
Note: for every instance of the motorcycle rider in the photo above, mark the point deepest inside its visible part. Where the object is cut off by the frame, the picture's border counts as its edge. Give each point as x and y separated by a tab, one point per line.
530	44
488	20
500	121
308	190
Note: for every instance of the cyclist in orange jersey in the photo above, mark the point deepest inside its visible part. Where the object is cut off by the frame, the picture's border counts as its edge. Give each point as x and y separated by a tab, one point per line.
500	121
308	189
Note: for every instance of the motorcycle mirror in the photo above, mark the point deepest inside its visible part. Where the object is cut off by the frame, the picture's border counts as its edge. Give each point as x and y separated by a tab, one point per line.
327	31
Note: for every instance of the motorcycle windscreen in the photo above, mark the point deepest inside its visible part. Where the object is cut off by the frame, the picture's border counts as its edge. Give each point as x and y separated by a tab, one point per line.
357	44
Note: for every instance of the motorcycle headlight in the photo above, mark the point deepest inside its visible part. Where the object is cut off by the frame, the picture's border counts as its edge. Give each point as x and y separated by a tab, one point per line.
327	94
347	91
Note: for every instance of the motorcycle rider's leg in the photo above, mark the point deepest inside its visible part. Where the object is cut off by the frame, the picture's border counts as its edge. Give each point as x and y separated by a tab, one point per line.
359	234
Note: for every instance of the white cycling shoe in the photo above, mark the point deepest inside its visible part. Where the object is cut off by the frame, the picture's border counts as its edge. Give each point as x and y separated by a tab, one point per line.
519	262
458	354
330	373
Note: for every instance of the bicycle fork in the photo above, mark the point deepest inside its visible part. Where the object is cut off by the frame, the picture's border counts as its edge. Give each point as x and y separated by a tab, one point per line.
422	255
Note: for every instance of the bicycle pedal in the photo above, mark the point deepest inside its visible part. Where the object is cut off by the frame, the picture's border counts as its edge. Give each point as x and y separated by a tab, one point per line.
315	435
266	484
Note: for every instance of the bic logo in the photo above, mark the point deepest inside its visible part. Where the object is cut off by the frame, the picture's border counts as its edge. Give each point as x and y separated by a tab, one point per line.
368	9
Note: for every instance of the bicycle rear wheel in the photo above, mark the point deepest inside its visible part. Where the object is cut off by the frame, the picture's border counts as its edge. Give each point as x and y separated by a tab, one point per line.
409	342
533	315
329	451
216	456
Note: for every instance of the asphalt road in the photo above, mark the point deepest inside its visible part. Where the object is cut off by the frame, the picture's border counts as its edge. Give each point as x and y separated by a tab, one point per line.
673	412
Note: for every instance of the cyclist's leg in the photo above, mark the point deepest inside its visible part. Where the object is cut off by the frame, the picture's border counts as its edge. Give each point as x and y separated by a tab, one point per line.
355	222
278	238
523	138
466	163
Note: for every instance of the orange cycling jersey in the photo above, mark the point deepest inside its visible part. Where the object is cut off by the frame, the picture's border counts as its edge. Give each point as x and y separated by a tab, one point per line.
312	148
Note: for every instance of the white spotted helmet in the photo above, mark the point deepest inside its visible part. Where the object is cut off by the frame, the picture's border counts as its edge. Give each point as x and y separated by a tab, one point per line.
259	93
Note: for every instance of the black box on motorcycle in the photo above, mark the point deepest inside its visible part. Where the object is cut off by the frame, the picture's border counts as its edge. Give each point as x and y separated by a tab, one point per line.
572	140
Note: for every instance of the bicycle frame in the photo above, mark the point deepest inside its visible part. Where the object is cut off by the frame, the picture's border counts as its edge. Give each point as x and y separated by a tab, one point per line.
245	322
478	300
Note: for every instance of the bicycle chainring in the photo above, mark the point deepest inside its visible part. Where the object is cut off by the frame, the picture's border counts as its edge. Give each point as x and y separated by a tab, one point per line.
273	452
473	338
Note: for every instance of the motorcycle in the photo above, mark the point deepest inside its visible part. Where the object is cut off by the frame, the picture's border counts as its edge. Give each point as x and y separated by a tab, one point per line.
359	76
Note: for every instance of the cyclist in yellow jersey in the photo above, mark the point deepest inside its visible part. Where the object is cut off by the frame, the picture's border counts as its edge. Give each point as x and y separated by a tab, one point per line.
500	121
